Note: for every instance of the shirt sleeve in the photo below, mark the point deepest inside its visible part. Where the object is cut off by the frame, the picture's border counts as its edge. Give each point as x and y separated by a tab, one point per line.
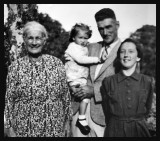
75	52
11	83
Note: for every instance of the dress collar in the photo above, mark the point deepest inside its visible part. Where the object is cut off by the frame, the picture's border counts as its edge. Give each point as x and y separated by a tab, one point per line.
121	76
37	62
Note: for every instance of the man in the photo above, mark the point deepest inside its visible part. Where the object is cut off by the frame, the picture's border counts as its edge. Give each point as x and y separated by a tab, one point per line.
108	28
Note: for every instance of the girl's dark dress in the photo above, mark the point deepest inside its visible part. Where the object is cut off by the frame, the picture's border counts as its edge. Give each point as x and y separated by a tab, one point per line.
126	102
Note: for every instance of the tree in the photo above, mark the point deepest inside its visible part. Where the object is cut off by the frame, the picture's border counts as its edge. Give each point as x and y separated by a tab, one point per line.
146	36
57	38
18	16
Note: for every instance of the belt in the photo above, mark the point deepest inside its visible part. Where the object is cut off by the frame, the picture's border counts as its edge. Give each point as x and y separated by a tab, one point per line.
127	119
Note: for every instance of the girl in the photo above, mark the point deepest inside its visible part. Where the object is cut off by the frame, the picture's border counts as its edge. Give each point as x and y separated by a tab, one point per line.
77	69
127	96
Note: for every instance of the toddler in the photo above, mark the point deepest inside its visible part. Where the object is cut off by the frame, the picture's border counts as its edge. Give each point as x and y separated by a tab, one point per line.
77	67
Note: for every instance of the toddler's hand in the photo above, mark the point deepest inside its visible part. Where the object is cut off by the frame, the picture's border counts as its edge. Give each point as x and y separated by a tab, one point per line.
85	44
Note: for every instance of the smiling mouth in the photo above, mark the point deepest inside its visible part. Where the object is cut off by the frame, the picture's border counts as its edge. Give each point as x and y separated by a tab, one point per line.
34	47
126	60
107	36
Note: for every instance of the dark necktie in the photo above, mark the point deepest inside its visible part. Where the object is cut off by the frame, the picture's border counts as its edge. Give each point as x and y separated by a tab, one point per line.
105	53
106	47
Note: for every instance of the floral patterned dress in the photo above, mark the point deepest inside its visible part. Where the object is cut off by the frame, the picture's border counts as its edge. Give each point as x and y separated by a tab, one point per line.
37	101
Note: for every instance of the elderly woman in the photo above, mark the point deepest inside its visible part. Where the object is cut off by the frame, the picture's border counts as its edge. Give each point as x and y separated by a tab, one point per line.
37	101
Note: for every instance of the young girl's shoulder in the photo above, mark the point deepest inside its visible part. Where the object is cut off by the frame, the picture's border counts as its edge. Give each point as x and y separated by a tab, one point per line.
111	78
146	78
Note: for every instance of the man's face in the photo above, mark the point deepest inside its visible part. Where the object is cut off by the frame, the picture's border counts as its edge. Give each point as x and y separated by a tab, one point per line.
108	29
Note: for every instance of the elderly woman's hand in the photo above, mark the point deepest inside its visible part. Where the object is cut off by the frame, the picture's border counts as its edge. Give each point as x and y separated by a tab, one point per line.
67	129
12	133
9	132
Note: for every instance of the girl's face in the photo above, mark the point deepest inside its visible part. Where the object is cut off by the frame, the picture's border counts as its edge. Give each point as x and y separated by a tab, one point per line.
81	38
129	55
34	41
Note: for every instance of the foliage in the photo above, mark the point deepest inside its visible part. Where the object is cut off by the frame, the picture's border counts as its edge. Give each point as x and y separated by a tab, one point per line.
146	37
56	43
57	37
151	119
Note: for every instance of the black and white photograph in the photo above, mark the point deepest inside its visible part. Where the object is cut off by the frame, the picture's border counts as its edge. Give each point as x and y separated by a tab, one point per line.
79	70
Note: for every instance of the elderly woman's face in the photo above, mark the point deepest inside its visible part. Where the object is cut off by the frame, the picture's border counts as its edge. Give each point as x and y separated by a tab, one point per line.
34	41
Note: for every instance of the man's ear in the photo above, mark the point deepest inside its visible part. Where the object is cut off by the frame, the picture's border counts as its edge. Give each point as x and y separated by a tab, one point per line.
138	59
117	24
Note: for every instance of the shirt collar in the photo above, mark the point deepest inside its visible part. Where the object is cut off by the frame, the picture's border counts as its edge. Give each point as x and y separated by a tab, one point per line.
121	76
111	46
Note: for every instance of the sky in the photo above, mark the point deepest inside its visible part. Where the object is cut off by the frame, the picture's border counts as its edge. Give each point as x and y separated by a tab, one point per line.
130	16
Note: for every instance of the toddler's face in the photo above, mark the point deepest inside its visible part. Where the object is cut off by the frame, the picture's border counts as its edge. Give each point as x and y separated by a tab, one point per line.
81	38
128	55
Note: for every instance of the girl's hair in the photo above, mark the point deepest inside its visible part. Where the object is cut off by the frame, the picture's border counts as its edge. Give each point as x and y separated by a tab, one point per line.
77	27
140	55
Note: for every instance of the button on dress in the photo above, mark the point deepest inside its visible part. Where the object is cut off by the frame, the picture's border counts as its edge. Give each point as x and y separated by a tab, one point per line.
37	101
126	102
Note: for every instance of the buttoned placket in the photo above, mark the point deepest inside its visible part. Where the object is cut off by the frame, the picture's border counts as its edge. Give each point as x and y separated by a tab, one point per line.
129	106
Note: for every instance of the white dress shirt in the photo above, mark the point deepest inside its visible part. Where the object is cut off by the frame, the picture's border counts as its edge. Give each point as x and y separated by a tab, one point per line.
99	66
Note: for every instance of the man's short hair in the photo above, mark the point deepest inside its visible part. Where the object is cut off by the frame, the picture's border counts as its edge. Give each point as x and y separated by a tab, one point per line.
105	13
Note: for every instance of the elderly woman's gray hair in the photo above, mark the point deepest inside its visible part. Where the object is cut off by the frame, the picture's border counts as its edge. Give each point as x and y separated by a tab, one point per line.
33	25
